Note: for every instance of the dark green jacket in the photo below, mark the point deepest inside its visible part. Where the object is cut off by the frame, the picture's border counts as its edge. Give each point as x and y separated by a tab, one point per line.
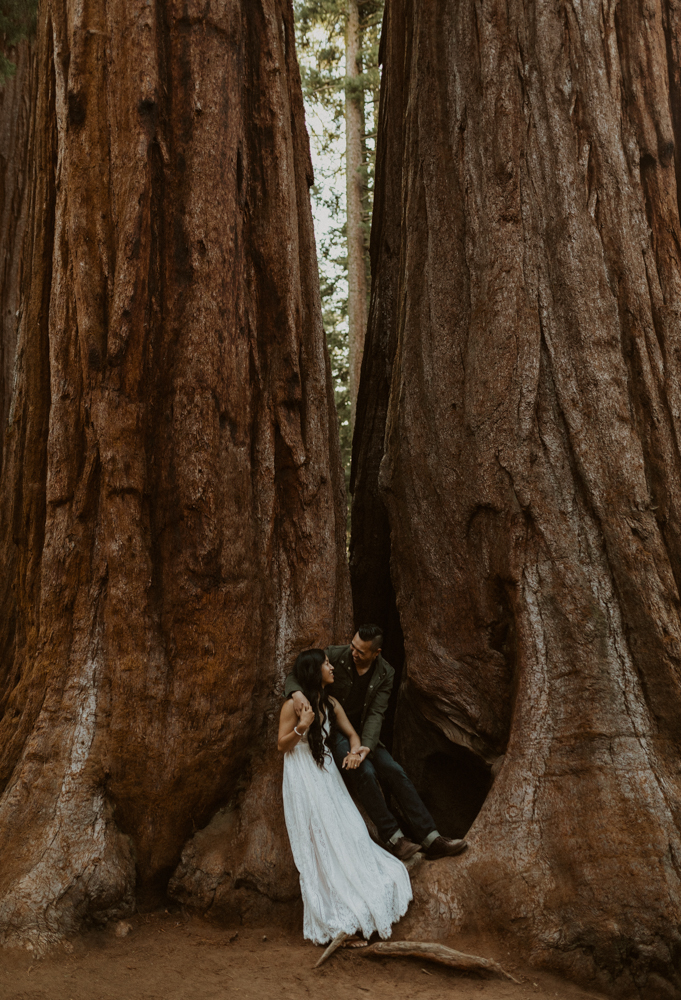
377	696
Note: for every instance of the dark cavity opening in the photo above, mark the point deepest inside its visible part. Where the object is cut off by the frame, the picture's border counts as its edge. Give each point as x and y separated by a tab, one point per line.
454	786
452	780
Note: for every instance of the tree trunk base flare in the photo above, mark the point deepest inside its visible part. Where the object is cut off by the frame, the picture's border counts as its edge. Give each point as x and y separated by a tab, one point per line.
73	863
239	868
518	423
438	953
172	504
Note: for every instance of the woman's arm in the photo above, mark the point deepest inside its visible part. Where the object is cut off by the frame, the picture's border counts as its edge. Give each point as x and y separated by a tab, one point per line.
289	722
357	751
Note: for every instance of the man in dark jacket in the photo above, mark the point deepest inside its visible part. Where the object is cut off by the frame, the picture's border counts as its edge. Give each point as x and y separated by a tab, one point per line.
362	684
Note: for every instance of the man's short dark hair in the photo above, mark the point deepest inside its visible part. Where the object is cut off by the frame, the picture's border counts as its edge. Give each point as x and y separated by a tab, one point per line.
373	634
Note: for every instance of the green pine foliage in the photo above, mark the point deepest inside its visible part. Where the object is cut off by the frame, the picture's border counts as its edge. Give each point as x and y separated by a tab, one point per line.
320	36
17	21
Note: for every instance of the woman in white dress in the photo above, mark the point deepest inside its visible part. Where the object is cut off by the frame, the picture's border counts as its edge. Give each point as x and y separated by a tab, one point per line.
348	883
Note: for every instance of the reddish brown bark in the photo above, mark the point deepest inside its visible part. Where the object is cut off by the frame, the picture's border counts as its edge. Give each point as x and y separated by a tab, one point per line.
17	100
172	517
518	420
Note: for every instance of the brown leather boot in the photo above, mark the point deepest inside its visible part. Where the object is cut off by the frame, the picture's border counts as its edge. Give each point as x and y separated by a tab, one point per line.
404	849
443	847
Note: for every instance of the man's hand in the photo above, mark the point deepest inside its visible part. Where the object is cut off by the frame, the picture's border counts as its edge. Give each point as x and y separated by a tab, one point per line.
300	703
306	718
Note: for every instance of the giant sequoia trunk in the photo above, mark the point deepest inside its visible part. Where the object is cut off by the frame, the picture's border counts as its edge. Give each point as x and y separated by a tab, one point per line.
518	433
172	514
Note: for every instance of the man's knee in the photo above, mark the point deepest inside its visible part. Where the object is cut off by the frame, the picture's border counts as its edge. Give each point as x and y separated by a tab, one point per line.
386	765
362	776
389	771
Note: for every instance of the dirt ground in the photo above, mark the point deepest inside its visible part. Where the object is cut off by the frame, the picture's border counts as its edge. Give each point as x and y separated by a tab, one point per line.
168	957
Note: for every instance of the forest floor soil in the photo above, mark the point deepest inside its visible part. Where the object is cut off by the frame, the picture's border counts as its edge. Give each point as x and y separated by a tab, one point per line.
166	956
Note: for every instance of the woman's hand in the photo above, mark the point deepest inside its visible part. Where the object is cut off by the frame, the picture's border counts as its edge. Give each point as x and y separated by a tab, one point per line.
352	760
306	718
356	757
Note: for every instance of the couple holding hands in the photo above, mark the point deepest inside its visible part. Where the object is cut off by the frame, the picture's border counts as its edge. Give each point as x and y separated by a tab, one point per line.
330	725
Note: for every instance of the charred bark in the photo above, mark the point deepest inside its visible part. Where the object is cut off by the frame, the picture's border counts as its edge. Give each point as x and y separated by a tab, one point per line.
172	512
519	420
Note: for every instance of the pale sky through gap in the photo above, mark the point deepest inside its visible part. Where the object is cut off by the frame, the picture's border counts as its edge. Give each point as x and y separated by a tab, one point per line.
320	52
328	162
329	178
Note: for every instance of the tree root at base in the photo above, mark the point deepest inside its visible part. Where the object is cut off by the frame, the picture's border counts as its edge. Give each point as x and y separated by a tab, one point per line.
436	953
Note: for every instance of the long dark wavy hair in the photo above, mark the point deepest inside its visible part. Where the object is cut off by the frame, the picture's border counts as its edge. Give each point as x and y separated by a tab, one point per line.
308	673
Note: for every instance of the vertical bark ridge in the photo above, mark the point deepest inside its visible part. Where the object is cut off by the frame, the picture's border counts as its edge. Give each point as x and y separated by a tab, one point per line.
670	20
17	101
23	511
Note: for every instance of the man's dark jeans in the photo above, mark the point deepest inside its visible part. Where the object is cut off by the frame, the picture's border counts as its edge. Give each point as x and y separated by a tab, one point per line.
363	782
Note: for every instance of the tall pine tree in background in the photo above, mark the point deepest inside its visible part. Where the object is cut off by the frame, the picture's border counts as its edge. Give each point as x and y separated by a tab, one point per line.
338	52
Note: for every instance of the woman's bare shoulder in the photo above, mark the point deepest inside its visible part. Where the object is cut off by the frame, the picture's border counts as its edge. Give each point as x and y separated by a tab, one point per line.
288	711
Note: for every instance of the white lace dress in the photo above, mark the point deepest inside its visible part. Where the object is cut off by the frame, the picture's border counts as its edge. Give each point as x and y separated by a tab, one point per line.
348	882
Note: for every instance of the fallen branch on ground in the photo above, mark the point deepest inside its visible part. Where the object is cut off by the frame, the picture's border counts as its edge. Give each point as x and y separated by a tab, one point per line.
336	943
437	953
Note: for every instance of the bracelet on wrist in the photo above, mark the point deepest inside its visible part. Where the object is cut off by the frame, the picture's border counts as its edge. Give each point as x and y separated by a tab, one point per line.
295	730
